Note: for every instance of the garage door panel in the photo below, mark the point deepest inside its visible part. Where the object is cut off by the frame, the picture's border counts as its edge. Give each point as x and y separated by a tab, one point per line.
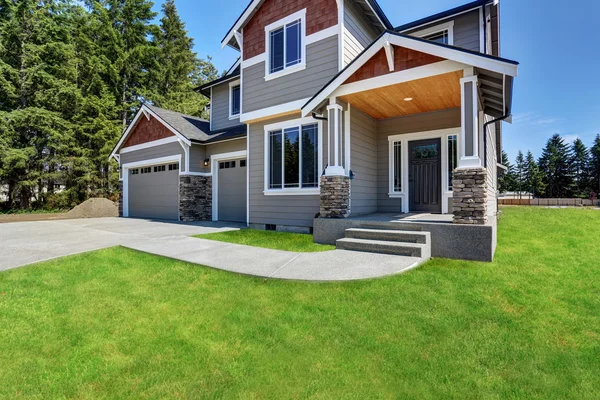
232	193
154	195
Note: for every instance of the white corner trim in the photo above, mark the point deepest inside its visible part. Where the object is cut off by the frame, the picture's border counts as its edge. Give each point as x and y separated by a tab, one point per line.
196	173
481	31
347	138
298	15
233	84
439	68
148	145
448	26
214	167
282	126
389	53
247	175
275	110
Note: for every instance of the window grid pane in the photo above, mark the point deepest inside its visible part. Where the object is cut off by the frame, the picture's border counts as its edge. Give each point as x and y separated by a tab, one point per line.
291	161
310	156
438	37
277	50
292	43
275	164
397	166
452	158
235	100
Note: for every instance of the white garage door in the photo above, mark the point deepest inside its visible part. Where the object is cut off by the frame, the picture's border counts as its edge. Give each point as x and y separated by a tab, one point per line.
153	192
232	191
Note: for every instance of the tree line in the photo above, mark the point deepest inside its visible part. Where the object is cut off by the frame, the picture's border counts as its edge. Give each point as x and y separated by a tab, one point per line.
562	171
72	75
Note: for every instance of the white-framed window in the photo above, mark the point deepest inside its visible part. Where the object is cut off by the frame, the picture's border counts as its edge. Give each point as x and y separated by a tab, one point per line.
293	157
443	33
286	45
452	157
235	99
396	164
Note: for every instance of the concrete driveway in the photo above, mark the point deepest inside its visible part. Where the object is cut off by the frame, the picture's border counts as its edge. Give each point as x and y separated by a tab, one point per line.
23	243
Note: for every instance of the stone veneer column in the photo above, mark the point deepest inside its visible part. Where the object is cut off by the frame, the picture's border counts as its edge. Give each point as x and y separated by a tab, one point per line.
120	198
335	196
470	196
195	198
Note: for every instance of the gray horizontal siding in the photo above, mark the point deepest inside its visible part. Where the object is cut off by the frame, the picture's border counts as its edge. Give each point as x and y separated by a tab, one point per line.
466	30
358	34
363	145
492	171
164	150
278	210
198	153
402	125
220	107
321	66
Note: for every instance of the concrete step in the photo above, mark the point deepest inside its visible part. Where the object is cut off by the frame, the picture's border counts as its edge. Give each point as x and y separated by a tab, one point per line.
422	250
389	235
395	226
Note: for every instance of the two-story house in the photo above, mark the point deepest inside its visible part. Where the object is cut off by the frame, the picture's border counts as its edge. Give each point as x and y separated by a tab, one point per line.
336	122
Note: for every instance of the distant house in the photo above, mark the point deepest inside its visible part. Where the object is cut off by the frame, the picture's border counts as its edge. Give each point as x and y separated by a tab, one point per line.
331	111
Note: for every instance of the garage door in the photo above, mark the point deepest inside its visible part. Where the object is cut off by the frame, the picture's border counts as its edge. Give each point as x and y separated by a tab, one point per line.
154	192
231	194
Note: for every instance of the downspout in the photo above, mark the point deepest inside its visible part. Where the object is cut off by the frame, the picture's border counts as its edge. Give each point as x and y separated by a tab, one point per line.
502	118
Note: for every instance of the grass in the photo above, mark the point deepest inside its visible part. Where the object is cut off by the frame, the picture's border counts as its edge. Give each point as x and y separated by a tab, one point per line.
122	324
269	240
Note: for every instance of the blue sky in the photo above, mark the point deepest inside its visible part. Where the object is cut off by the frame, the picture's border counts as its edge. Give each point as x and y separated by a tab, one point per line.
557	43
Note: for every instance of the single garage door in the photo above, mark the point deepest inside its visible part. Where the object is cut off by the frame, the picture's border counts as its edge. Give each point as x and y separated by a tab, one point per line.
154	192
231	194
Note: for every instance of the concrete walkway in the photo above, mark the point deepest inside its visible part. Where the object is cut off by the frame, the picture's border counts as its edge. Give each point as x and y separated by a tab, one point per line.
29	242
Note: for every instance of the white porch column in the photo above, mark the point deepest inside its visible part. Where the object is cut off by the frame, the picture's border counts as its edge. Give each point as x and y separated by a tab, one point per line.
335	135
469	155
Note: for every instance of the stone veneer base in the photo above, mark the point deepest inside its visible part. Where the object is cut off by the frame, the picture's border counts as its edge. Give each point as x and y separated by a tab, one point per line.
335	197
195	198
469	201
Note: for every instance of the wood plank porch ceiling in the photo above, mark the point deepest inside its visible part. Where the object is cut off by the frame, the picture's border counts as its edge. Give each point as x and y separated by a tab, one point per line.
434	93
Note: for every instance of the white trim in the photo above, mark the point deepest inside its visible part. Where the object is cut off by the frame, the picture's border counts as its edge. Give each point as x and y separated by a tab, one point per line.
147	145
281	126
405	138
438	68
389	53
274	110
448	26
322	34
234	66
125	170
247	13
337	110
196	173
186	151
440	19
340	31
448	53
262	57
145	111
481	31
247	175
469	161
215	159
299	15
233	84
347	138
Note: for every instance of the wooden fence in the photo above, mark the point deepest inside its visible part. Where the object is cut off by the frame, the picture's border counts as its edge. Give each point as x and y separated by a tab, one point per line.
547	202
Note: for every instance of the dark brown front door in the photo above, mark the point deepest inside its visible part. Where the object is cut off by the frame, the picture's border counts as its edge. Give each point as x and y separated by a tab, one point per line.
424	176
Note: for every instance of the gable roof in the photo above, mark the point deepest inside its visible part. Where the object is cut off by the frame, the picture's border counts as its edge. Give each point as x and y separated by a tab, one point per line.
443	15
230	40
188	128
494	64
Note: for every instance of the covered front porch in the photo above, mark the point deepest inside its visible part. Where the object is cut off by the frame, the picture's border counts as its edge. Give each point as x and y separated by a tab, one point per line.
413	138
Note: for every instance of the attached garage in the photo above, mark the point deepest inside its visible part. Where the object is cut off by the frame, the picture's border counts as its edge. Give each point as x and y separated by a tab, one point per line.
231	190
153	191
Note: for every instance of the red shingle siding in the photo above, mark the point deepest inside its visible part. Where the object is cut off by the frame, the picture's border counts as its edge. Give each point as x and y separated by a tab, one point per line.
320	14
147	131
403	59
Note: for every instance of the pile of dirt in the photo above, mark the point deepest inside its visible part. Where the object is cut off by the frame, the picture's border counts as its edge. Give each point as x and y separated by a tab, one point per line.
95	208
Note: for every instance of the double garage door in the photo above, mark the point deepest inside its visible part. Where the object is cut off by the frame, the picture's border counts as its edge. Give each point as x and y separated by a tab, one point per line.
153	191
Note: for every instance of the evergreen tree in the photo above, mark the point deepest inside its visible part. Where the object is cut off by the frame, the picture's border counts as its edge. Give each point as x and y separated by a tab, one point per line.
594	166
554	164
506	180
520	173
534	180
580	168
176	70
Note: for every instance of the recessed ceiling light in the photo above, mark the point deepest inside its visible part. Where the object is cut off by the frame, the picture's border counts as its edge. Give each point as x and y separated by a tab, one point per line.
408	99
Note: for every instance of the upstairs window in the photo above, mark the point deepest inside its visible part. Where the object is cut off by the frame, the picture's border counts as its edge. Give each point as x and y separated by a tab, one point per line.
235	98
443	33
286	45
439	37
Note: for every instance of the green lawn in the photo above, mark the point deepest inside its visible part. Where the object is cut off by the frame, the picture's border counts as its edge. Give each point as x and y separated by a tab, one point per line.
269	240
122	324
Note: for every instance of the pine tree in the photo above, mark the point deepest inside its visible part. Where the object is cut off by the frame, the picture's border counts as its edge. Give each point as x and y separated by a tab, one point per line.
506	180
176	70
520	173
554	164
594	166
534	181
580	168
